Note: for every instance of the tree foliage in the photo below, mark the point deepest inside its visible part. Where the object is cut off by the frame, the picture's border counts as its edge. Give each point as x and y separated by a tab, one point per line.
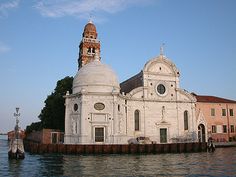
35	126
53	114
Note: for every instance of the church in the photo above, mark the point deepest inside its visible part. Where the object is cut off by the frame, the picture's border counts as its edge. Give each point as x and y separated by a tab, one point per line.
149	107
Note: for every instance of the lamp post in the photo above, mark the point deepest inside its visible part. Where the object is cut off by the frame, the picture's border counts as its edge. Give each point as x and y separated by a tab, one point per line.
16	150
17	115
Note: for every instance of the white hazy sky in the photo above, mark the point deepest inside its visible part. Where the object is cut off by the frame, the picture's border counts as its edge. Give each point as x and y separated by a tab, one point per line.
39	42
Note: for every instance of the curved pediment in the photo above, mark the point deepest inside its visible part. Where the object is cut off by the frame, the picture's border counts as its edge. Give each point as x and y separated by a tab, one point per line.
136	93
162	66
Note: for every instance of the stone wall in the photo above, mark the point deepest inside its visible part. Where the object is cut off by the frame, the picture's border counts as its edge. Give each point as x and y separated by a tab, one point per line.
35	136
37	148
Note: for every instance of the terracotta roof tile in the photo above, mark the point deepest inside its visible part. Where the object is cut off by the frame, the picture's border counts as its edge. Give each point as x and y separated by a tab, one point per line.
212	99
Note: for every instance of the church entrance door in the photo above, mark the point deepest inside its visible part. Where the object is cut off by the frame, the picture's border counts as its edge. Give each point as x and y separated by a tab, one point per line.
99	134
163	135
201	133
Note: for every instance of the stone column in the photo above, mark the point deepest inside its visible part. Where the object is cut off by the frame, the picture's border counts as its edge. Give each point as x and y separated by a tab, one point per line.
67	121
115	119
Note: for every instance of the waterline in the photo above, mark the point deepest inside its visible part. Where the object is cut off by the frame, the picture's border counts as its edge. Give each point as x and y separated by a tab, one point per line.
220	163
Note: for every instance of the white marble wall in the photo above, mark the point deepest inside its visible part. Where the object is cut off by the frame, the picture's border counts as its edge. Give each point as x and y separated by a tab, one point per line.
117	118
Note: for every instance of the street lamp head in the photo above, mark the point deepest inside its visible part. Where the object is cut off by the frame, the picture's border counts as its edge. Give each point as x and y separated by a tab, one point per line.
17	109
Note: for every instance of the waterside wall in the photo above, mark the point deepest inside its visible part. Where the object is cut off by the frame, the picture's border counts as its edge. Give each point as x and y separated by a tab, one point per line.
37	148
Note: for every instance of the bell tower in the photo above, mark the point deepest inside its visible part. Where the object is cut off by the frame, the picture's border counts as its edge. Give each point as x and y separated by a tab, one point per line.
89	45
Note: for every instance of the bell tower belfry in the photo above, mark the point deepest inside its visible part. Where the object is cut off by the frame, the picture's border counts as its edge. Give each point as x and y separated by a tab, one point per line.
89	45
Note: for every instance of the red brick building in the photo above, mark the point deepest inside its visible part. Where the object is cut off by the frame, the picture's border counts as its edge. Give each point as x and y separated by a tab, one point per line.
219	114
11	134
46	136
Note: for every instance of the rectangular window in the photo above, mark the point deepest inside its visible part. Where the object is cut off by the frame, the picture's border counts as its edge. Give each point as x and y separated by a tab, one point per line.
54	138
212	112
219	129
61	140
223	112
224	128
99	134
232	128
231	112
185	120
136	120
213	129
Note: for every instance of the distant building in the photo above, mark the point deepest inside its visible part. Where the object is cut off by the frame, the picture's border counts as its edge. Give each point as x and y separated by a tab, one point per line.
11	134
148	106
46	136
219	117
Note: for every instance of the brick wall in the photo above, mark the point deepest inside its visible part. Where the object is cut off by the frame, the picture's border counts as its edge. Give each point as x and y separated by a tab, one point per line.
45	136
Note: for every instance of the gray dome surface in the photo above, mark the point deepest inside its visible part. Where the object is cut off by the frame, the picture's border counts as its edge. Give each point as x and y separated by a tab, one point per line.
95	77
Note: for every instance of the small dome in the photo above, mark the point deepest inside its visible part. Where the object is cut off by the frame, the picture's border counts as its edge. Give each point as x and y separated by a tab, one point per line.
90	29
96	77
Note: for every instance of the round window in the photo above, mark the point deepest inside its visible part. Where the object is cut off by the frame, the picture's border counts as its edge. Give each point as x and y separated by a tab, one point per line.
161	89
75	107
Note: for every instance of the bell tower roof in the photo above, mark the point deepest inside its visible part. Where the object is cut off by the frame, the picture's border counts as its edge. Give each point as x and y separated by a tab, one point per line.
90	30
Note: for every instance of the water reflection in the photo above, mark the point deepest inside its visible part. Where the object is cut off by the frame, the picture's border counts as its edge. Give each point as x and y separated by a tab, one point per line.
14	167
196	164
51	165
220	163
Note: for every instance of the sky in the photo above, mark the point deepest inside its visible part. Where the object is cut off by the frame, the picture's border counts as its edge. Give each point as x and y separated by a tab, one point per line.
39	42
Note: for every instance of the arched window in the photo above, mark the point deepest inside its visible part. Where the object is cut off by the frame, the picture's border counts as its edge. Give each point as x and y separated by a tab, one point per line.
93	50
136	120
89	50
185	120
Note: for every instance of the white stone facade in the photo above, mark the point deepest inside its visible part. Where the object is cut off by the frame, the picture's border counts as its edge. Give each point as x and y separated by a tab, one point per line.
97	112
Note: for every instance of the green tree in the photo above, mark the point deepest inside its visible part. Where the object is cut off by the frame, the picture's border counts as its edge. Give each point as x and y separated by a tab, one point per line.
53	114
35	126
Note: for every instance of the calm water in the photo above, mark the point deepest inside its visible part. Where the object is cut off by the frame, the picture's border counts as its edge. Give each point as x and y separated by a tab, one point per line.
220	163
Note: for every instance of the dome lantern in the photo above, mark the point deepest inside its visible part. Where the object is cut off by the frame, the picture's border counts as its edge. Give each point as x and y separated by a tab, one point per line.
90	30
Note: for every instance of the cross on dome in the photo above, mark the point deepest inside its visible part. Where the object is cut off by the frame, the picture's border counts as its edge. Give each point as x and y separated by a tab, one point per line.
90	20
162	49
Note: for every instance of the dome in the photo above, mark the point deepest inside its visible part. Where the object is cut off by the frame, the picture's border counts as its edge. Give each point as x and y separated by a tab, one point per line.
96	77
90	29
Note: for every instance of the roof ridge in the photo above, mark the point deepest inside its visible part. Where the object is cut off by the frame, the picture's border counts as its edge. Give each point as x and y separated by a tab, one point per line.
213	99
